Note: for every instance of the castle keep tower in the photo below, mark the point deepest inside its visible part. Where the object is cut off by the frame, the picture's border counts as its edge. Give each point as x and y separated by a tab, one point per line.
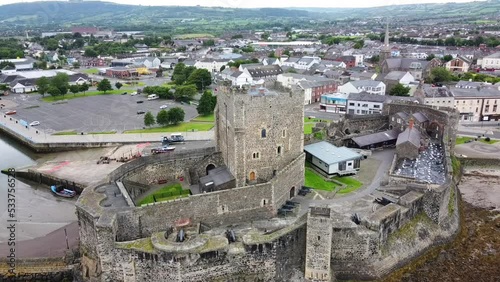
259	130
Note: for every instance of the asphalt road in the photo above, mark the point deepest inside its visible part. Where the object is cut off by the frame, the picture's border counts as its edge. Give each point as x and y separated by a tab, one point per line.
92	114
313	110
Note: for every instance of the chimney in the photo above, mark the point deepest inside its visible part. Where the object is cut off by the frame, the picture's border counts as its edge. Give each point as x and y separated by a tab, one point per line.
410	125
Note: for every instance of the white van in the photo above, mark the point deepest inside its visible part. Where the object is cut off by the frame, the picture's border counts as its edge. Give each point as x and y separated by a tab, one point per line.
153	97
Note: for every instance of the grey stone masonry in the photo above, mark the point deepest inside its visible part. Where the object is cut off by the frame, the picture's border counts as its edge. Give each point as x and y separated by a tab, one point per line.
318	245
259	131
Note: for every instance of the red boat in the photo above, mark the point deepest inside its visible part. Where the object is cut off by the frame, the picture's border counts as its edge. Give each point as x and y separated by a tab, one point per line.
13	112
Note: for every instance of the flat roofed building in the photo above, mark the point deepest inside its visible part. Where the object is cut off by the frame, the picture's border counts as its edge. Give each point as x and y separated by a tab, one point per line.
331	159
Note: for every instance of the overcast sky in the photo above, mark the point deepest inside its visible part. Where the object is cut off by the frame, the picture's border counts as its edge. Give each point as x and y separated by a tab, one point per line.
266	3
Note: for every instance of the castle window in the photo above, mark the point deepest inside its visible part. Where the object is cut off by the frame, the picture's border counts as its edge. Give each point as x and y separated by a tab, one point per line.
319	238
252	176
279	150
283	133
256	155
263	133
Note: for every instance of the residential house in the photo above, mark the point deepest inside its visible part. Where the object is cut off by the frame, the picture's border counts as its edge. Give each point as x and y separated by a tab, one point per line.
304	63
471	84
237	77
148	62
313	86
362	75
212	65
271	61
121	62
169	63
365	103
141	47
375	140
334	103
261	72
490	62
349	61
52	57
458	64
331	159
480	104
358	86
92	62
394	77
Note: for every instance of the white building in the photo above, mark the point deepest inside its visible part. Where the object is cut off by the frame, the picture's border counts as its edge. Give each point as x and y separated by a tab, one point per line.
490	62
477	104
212	65
334	103
358	86
303	63
331	159
237	77
365	103
21	64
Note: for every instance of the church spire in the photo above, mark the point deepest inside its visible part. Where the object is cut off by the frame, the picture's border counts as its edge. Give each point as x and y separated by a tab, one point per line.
386	37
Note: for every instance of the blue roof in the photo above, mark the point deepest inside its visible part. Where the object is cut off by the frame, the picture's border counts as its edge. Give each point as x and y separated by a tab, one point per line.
331	154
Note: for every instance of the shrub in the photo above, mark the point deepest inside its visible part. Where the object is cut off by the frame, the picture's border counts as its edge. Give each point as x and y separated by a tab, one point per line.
487	139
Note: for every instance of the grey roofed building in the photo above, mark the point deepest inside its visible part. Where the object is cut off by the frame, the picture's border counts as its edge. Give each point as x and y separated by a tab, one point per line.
307	77
375	138
219	178
365	96
395	75
484	92
404	116
264	71
365	83
331	154
189	63
420	117
411	135
432	92
405	64
292	59
6	79
403	98
469	84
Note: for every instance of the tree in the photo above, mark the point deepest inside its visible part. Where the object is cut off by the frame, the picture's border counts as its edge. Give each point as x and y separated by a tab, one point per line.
6	64
175	115
207	103
118	85
84	87
399	90
104	85
42	85
359	44
375	59
209	42
201	78
61	82
185	92
40	65
149	119
74	89
265	36
54	91
430	57
76	65
441	74
90	52
162	118
447	58
271	55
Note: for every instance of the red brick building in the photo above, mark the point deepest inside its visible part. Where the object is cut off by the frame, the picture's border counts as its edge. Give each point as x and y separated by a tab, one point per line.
349	61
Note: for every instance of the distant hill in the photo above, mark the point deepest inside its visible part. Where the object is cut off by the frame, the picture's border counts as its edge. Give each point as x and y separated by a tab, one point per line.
55	15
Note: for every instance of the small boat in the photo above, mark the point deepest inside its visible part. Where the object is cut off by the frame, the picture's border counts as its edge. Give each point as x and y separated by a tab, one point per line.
59	190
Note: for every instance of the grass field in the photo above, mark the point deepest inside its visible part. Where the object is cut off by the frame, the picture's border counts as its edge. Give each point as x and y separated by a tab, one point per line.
166	193
351	184
134	84
308	128
70	96
463	140
193	35
316	181
91	71
306	120
66	133
209	118
183	127
102	132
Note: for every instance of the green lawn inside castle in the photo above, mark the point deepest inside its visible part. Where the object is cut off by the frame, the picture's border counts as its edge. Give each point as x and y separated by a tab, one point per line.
339	184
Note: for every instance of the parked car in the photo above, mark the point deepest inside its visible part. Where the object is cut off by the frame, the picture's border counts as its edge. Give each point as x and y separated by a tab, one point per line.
124	93
140	101
163	149
163	107
141	112
133	93
13	112
35	123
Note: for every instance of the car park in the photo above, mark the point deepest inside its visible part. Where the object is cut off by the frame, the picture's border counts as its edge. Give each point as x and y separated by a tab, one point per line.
141	112
34	123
